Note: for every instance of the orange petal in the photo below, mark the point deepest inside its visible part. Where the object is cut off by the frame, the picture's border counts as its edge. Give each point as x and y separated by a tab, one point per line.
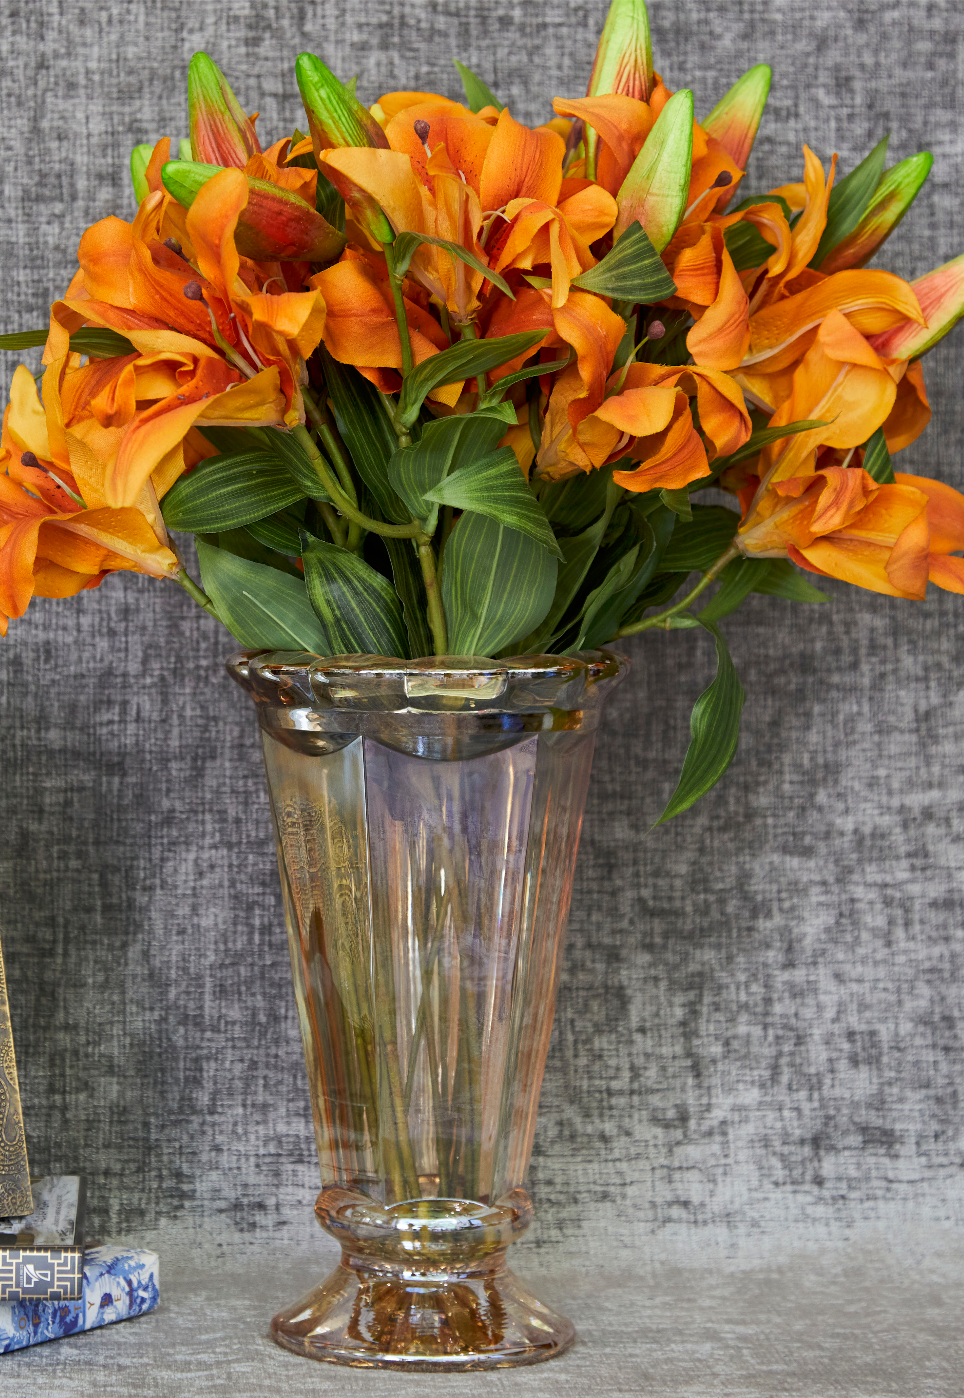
809	230
871	301
946	572
945	512
720	337
116	403
464	135
639	411
671	459
211	222
911	411
520	163
595	333
694	269
104	254
622	124
387	176
18	549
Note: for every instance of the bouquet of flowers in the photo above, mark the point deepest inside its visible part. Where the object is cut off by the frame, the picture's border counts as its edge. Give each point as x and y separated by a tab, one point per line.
421	379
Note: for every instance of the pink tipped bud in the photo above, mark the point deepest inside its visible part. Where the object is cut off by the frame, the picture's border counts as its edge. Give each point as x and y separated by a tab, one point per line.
221	133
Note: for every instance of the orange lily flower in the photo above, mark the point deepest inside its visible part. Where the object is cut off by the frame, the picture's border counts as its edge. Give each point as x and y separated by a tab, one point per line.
841	523
945	519
52	544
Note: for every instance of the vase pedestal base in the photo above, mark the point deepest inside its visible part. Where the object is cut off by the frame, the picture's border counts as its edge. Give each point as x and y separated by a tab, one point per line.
376	1320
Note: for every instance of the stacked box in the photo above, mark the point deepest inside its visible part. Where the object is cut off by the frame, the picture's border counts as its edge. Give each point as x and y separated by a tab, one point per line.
118	1284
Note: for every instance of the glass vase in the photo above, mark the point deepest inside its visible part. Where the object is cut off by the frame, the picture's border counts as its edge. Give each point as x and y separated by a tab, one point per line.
427	817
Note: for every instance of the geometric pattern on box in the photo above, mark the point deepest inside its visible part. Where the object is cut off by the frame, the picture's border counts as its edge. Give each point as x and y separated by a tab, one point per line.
54	1274
119	1283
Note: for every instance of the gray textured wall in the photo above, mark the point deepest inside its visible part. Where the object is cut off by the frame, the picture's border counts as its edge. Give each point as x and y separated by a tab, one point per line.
760	1024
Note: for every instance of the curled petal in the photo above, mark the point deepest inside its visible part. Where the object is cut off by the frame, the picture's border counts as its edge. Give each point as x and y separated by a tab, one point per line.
911	411
671	459
520	164
721	336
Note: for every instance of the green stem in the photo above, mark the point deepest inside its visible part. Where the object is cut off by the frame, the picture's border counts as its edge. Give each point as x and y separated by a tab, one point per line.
335	526
434	610
341	500
184	579
401	315
661	618
331	443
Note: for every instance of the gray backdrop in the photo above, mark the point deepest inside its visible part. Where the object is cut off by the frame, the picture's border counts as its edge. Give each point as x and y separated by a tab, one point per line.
760	1031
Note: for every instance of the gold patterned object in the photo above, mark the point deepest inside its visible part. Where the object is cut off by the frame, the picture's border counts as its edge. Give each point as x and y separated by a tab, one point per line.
15	1196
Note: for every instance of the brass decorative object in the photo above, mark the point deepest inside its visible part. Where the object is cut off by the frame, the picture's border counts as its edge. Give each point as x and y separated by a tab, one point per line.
16	1199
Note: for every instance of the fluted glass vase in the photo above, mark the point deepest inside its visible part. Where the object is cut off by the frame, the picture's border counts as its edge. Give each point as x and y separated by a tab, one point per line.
427	817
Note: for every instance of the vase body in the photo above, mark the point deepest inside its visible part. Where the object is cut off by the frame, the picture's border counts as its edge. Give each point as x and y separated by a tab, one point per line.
427	817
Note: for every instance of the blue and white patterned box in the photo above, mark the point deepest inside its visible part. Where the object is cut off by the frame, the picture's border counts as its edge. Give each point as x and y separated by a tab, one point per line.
119	1283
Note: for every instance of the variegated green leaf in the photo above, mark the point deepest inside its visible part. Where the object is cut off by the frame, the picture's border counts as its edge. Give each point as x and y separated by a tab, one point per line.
226	492
494	486
358	609
497	585
366	430
632	271
262	607
697	545
877	462
444	446
460	361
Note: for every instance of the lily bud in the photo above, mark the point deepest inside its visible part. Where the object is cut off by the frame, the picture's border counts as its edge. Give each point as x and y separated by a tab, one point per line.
335	115
221	133
736	117
889	203
275	226
623	62
655	190
140	159
941	297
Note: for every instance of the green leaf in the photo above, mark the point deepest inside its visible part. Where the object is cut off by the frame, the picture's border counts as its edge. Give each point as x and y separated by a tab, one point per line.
632	271
461	361
243	544
358	609
497	585
654	192
737	580
495	486
746	246
714	730
697	545
366	430
782	579
444	446
261	607
609	603
286	449
578	554
410	586
140	159
877	461
762	437
24	340
100	343
849	199
497	392
898	188
574	503
280	532
679	502
226	492
477	94
407	244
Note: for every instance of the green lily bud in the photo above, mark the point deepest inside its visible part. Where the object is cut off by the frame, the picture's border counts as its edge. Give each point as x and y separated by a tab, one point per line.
140	159
623	63
335	115
275	226
220	131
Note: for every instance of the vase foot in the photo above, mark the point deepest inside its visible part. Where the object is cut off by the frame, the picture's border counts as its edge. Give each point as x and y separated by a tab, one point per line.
376	1320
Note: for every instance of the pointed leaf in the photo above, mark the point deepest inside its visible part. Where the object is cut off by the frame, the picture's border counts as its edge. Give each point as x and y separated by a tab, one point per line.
737	580
358	609
261	607
497	392
409	584
849	199
495	486
609	603
632	271
735	119
497	585
782	579
444	446
366	430
100	343
460	361
877	461
714	730
477	94
226	492
280	532
407	244
287	450
24	339
654	192
941	297
889	203
679	502
694	547
762	437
